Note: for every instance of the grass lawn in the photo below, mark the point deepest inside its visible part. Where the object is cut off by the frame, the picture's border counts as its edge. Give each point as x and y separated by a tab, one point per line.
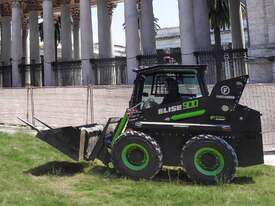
32	173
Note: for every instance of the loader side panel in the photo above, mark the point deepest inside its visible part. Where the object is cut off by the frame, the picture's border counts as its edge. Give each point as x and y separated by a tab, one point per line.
230	89
173	124
246	128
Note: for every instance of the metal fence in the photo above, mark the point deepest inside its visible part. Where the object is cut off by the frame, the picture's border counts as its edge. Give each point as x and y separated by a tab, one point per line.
160	58
75	106
32	74
113	71
67	73
6	76
223	64
110	71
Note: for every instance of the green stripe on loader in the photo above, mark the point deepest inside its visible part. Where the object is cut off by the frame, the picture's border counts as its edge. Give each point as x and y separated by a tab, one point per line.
122	124
188	115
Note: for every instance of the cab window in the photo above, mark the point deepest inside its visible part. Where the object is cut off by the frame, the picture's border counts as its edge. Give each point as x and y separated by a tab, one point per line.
170	87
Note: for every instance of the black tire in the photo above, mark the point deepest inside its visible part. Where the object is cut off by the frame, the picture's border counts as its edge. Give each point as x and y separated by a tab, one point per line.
137	156
209	159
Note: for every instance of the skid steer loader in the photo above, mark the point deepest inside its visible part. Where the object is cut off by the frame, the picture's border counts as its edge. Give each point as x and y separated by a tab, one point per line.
172	120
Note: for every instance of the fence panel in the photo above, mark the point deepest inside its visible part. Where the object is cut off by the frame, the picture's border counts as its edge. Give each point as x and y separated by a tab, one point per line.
160	58
110	101
110	71
6	75
62	106
261	98
13	104
230	63
67	73
81	105
32	74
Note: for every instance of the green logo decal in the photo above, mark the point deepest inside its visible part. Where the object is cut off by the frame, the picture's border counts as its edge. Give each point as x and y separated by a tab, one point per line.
190	104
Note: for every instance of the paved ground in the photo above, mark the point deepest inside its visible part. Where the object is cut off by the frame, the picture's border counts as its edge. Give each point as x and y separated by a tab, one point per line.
15	129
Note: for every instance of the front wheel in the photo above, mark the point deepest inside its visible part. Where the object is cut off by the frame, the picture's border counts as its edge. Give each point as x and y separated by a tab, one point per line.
136	155
209	159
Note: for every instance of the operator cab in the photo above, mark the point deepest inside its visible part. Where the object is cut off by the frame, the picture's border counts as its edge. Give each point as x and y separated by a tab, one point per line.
165	84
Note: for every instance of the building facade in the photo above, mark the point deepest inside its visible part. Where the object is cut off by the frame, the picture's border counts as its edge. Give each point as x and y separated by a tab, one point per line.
169	38
261	14
77	44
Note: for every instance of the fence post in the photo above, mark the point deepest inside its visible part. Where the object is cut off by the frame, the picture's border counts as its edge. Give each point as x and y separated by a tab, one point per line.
32	106
92	103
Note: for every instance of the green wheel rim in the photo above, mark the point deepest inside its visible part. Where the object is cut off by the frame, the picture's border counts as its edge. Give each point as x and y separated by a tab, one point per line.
125	157
206	170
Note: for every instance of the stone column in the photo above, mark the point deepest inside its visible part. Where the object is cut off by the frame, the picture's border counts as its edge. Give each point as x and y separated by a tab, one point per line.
104	15
75	15
34	35
24	50
261	54
86	42
24	38
132	37
16	43
49	44
187	31
6	42
148	33
202	27
66	31
34	40
237	29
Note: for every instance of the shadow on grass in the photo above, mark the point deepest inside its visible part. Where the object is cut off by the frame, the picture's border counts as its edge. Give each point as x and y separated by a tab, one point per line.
71	168
170	176
243	180
162	176
57	168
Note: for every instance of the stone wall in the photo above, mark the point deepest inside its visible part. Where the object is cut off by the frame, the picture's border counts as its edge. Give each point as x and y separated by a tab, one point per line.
261	16
77	106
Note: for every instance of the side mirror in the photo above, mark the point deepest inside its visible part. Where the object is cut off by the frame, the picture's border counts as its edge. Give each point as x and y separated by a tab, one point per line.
145	94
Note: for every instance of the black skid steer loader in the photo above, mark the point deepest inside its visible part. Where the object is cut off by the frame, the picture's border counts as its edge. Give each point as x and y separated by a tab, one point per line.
172	120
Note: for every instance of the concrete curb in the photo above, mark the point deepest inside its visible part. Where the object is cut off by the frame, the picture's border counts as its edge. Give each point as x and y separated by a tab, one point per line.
269	160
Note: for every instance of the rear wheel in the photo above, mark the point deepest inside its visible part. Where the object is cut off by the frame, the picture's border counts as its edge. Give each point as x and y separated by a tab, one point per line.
137	155
209	159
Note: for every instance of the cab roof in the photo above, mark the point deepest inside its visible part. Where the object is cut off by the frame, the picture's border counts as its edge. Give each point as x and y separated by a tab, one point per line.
163	68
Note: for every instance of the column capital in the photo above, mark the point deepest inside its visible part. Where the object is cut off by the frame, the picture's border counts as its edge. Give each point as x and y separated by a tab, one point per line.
65	1
25	22
6	9
16	3
75	14
111	6
56	18
33	5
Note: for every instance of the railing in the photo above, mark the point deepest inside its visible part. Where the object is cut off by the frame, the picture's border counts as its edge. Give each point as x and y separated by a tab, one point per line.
223	64
160	58
67	73
110	71
6	76
32	74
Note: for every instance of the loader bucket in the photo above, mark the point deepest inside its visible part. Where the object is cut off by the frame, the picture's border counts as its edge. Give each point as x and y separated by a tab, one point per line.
65	140
76	142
